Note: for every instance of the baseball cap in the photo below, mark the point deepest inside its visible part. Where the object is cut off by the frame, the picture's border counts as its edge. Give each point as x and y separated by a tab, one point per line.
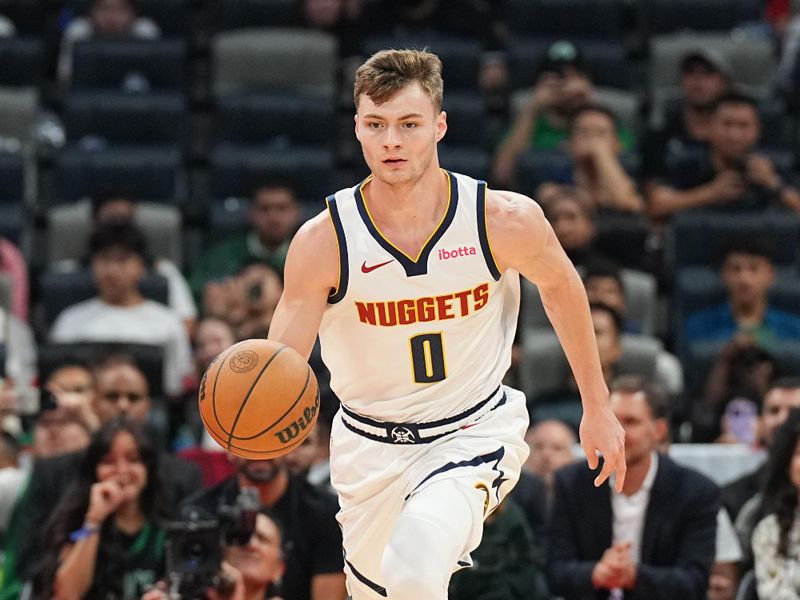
710	57
561	54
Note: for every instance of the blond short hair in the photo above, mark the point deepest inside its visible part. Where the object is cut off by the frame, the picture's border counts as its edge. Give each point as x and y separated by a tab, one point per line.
387	72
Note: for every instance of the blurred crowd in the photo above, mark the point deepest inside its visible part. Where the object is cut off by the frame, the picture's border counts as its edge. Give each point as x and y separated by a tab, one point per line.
156	158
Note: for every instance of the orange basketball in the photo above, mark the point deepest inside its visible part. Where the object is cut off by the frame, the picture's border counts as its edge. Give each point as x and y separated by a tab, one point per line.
259	399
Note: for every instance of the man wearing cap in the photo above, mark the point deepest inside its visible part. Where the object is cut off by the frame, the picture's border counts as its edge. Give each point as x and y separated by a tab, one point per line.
562	86
705	77
732	175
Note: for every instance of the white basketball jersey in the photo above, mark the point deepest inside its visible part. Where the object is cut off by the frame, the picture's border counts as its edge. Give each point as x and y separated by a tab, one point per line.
418	339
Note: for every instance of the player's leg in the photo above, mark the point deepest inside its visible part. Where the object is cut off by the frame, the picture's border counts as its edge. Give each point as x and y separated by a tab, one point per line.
438	525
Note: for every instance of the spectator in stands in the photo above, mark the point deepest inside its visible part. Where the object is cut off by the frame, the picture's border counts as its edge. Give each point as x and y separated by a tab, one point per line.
255	568
274	215
594	147
12	478
312	540
73	386
12	265
603	282
116	208
247	300
345	19
504	565
782	396
705	77
742	370
104	538
654	540
562	86
572	217
105	19
608	331
776	538
551	443
120	313
732	175
748	273
121	391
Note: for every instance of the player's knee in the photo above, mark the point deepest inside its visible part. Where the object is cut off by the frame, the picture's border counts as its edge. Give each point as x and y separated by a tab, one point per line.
411	580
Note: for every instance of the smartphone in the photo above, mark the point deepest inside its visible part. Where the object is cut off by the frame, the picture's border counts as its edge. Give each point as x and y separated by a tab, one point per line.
740	419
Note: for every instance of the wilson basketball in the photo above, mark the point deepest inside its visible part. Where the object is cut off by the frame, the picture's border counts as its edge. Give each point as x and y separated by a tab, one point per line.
259	399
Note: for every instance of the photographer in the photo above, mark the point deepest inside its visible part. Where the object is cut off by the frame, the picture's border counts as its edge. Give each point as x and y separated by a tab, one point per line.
249	572
104	538
312	538
732	175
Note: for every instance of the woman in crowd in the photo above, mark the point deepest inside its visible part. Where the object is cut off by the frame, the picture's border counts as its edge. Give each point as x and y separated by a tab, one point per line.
104	538
776	538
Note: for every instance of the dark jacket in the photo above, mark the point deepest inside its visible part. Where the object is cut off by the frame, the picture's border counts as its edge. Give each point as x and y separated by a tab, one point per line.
678	540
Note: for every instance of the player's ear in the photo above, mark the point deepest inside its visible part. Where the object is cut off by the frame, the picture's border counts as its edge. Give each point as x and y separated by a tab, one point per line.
355	124
441	125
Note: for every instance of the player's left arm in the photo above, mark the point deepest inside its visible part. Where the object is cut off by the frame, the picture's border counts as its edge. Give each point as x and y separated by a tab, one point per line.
522	239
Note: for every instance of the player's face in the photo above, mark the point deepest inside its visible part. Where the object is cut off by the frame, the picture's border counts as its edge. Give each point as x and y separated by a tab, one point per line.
260	560
398	137
123	463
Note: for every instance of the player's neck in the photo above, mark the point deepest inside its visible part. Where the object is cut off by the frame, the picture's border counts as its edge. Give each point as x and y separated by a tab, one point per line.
418	204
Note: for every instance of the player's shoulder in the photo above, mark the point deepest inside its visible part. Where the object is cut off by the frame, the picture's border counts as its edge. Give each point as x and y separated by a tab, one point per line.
316	233
513	214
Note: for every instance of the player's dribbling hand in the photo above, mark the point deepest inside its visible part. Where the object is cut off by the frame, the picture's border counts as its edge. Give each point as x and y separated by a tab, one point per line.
600	432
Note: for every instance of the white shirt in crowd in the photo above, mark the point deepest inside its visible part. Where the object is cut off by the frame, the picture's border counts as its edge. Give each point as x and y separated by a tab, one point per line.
146	323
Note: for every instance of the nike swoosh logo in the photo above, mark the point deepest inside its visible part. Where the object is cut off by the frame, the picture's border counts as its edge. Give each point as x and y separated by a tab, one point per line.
366	269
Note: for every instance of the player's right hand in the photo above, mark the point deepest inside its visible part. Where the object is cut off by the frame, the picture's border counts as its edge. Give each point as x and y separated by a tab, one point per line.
601	432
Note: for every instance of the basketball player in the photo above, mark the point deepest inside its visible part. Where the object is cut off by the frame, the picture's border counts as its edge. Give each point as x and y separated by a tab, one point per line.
411	279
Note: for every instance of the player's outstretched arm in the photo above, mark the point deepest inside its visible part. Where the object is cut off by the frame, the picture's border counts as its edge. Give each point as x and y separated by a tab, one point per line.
522	239
311	272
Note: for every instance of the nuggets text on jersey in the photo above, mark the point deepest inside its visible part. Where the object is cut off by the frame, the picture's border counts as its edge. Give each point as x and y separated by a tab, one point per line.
421	310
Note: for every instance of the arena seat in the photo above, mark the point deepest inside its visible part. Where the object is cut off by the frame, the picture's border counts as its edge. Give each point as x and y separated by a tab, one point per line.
69	226
274	119
58	291
114	117
140	173
23	62
140	66
239	14
607	61
298	61
469	160
237	171
567	18
662	16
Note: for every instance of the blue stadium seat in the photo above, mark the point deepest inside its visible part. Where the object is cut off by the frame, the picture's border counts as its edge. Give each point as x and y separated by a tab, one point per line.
28	17
12	178
237	171
466	120
460	57
569	18
114	117
239	14
472	161
274	119
141	173
22	63
129	65
607	61
58	291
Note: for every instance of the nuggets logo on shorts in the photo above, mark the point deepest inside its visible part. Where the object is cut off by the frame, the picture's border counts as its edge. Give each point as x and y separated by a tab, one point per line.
243	361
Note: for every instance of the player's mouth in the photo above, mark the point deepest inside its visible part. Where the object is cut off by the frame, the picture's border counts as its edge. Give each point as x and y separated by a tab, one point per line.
394	162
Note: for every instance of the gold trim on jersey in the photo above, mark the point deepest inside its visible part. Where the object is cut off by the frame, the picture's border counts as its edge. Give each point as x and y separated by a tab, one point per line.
433	233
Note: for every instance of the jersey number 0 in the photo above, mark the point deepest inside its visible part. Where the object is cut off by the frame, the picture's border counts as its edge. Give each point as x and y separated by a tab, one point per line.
427	358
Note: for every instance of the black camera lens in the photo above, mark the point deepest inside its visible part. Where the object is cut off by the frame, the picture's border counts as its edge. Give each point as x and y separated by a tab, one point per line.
196	553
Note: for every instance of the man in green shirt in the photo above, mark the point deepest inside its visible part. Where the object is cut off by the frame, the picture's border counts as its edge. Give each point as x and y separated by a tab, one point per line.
274	215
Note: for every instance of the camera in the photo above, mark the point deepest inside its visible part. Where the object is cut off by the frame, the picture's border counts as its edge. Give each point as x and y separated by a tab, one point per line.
195	545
